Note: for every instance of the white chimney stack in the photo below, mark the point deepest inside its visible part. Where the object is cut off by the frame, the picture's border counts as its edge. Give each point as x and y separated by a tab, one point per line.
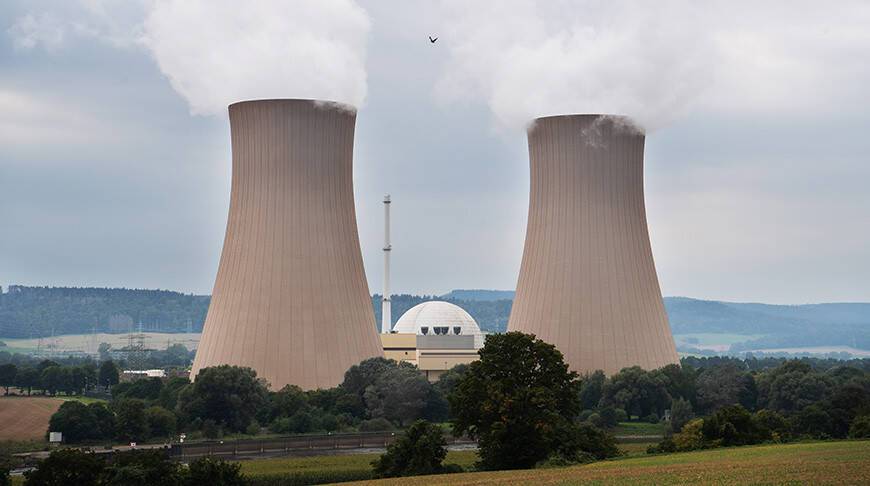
386	312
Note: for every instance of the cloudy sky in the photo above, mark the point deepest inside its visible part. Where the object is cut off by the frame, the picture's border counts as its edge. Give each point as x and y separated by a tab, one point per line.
114	142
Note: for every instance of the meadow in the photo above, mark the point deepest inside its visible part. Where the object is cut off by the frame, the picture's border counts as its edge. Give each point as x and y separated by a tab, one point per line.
840	462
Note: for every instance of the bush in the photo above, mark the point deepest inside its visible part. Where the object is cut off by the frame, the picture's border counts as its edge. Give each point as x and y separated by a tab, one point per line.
80	423
813	421
860	428
211	430
621	416
253	429
608	417
144	468
66	467
161	422
772	424
420	450
681	413
584	441
215	472
733	426
652	418
665	446
691	437
376	425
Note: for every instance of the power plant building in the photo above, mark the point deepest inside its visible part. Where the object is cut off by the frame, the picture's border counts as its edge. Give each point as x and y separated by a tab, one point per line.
434	336
291	299
587	281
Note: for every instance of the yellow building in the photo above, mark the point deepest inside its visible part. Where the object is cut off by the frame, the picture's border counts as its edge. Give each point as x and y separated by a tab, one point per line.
434	336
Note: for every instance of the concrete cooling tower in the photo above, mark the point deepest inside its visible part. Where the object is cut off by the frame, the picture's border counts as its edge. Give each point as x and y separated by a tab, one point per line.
587	281
291	298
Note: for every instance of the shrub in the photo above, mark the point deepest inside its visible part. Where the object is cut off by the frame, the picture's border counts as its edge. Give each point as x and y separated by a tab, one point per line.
143	468
66	467
621	416
681	413
253	428
584	441
691	437
215	472
652	418
420	450
161	422
733	426
211	430
860	428
772	424
813	421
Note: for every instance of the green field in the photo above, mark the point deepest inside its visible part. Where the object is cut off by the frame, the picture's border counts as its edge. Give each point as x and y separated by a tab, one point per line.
841	462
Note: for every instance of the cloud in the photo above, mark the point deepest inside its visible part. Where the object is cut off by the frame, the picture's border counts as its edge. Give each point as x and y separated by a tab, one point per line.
218	52
654	61
30	120
30	31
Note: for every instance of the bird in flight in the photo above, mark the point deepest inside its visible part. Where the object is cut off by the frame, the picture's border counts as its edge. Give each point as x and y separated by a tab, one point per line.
432	40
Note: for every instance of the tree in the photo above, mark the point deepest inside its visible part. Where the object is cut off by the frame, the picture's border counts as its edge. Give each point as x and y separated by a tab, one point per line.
76	421
591	390
52	379
420	450
733	426
519	400
168	397
681	413
215	472
637	391
27	378
681	381
144	468
287	402
359	377
109	374
398	394
64	467
860	428
228	395
8	374
161	422
131	424
723	385
143	388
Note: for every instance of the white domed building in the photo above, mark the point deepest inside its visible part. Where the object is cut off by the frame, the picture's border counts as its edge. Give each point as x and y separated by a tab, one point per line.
434	336
436	318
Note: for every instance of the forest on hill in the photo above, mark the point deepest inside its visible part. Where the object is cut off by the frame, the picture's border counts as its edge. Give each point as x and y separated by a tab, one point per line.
43	311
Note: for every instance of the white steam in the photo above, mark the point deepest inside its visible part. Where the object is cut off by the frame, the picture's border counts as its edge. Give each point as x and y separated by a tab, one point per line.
216	52
654	61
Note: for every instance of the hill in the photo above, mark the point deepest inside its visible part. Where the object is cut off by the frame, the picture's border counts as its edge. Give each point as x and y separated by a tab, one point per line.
33	312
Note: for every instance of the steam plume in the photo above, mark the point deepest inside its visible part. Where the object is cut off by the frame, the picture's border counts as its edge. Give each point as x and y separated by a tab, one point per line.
215	52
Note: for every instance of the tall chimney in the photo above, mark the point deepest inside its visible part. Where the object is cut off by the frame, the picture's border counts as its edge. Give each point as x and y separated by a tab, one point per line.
290	299
386	312
587	281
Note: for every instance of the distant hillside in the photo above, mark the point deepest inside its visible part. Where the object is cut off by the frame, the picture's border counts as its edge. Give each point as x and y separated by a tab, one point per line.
491	315
479	294
43	311
39	311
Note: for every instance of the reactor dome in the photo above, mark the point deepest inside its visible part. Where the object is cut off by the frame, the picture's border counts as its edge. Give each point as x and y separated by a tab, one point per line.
439	318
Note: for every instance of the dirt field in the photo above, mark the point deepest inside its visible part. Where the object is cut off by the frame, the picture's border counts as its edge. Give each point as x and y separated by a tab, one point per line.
26	418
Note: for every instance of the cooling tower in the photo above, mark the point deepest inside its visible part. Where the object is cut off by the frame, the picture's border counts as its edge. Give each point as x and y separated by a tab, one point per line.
290	298
587	281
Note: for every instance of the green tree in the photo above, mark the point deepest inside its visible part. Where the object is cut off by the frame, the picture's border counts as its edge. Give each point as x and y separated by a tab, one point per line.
27	378
681	413
131	424
228	395
161	422
420	450
519	399
144	468
733	426
398	394
76	421
637	391
8	373
168	397
215	472
65	467
109	375
591	389
723	385
860	428
52	379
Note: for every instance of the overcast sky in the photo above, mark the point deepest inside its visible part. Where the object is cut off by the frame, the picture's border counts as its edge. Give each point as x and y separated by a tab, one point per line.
114	140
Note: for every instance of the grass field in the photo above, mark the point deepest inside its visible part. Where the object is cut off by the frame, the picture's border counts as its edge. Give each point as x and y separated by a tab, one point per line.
26	418
843	462
350	462
638	428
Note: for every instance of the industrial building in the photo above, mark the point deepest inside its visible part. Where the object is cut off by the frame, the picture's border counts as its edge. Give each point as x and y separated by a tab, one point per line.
291	299
434	336
587	281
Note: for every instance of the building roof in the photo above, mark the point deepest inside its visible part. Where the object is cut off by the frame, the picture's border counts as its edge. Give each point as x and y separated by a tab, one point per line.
439	318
